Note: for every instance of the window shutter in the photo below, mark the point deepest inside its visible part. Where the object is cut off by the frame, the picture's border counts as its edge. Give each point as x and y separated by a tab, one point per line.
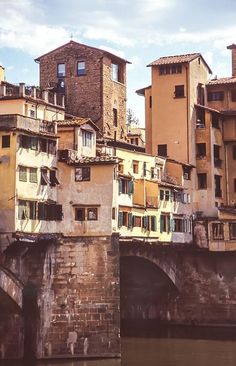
153	223
58	212
120	219
144	168
130	221
172	224
161	224
120	186
41	211
130	187
148	223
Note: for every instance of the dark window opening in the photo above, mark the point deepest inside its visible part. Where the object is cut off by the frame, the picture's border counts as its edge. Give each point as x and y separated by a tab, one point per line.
232	230
215	96
116	71
126	186
79	214
200	118
218	191
186	172
201	150
234	152
150	101
5	141
115	120
234	184
217	160
44	177
179	91
233	95
215	120
200	94
170	69
82	174
162	150
53	178
202	180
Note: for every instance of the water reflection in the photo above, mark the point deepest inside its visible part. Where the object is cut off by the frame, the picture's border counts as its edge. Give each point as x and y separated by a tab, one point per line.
196	350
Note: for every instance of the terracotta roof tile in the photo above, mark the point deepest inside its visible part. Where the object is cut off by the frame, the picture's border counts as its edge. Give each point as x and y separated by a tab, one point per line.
78	121
227	80
177	59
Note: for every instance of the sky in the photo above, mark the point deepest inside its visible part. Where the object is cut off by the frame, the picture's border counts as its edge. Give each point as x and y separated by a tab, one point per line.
140	31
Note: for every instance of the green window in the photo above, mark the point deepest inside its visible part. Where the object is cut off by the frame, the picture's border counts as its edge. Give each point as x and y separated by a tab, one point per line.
22	173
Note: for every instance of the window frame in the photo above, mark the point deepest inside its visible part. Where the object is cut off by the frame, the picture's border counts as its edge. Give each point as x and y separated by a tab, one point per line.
22	173
179	91
81	71
6	141
61	74
202	184
84	173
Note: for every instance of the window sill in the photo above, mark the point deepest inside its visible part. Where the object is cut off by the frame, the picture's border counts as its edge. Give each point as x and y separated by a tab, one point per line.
118	82
180	97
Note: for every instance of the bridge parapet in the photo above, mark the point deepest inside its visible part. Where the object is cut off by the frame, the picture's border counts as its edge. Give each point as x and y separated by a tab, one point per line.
11	286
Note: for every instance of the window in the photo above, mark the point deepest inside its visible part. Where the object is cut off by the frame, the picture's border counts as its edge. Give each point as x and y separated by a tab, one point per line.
202	180
32	210
144	168
162	194
152	173
200	118
215	96
113	216
5	141
33	143
22	173
121	168
215	120
33	175
164	223
178	225
137	221
218	231
32	113
44	177
232	230
162	150
49	212
53	178
115	72
115	117
52	147
81	68
233	95
92	213
153	223
217	160
218	191
43	145
179	91
87	138
201	150
167	195
22	210
82	174
61	70
79	214
186	172
170	69
126	186
125	219
234	151
135	166
234	184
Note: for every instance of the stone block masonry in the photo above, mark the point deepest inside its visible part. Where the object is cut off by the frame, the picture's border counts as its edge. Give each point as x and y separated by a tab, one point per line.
84	311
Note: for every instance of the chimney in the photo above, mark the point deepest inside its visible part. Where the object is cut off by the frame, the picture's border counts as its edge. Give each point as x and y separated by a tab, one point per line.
2	74
233	48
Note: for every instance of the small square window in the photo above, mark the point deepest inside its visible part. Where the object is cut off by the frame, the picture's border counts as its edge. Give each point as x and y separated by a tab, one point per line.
33	175
135	166
61	70
5	141
92	213
179	91
80	214
82	174
81	68
162	150
22	173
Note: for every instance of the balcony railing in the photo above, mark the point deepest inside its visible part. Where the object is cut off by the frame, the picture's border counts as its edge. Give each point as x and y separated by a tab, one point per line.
48	127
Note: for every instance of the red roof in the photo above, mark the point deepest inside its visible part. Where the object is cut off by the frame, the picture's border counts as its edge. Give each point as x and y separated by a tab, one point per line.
227	80
178	59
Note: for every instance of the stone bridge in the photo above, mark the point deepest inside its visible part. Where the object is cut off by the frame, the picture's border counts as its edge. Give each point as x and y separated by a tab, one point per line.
11	286
64	297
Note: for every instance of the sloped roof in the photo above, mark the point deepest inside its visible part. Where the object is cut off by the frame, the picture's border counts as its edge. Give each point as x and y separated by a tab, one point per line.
78	121
178	59
220	81
142	90
87	160
84	45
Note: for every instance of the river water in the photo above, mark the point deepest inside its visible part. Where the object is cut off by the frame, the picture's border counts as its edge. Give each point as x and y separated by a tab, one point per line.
217	348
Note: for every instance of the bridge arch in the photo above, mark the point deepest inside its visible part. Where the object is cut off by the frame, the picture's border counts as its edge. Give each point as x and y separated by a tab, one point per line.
11	286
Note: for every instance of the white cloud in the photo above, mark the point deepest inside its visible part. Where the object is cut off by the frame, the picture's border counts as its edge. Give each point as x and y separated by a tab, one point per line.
112	50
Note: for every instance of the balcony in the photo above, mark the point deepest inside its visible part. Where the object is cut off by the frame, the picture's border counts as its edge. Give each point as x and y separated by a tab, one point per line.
67	155
48	127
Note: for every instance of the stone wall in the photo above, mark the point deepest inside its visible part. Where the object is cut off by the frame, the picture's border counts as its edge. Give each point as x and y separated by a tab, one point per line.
198	287
91	95
70	299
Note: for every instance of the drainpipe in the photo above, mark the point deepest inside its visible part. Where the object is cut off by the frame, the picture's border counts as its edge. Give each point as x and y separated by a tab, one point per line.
187	111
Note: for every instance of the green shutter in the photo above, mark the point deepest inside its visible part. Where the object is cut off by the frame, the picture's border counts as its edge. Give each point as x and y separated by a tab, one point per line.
130	187
120	219
120	186
161	224
172	224
153	223
130	221
41	215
